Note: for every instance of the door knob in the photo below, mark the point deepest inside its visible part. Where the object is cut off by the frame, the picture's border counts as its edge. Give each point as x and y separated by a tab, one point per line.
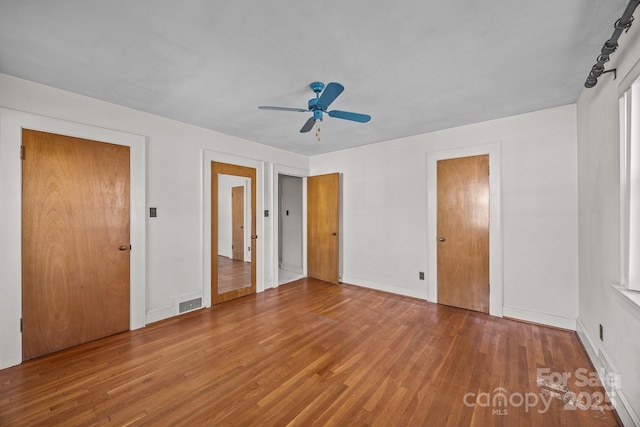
123	248
440	239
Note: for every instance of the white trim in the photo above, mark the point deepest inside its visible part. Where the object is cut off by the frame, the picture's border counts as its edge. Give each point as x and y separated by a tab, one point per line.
540	317
603	364
214	156
174	309
494	150
291	171
587	342
631	76
399	290
632	189
11	124
631	298
623	110
246	210
629	129
158	314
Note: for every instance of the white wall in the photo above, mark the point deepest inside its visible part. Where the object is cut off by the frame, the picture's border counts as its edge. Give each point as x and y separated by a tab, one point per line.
599	230
174	184
385	211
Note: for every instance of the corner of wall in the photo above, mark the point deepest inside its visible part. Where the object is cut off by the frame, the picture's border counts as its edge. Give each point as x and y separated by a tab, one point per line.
606	370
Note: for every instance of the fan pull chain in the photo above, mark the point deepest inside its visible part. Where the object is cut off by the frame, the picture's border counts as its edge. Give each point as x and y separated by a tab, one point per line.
318	132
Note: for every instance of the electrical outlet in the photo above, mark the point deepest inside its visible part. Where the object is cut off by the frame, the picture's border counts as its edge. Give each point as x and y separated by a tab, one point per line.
601	333
421	275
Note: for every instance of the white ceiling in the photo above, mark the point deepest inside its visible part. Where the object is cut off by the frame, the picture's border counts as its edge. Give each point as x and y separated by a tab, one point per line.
415	66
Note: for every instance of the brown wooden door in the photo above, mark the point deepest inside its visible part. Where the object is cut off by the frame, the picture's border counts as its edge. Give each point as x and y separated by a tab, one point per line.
323	215
463	232
75	241
237	222
219	292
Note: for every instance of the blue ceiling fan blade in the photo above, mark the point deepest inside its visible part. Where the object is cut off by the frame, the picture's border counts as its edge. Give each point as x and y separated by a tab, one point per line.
346	115
308	125
329	94
267	107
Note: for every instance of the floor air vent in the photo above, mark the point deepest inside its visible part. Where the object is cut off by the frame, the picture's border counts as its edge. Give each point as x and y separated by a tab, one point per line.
190	305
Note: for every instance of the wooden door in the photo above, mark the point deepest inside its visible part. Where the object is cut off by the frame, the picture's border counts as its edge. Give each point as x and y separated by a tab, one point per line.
75	241
219	293
237	223
463	232
323	215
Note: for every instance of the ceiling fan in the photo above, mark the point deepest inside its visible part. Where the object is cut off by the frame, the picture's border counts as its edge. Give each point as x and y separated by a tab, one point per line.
318	105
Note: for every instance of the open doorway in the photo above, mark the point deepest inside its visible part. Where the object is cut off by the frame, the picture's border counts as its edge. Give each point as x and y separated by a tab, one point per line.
290	228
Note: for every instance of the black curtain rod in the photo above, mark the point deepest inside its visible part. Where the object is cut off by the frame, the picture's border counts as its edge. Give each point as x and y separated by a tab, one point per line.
610	46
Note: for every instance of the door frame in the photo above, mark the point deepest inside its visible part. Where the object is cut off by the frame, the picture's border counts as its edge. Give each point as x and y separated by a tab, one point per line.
209	156
300	173
11	124
494	151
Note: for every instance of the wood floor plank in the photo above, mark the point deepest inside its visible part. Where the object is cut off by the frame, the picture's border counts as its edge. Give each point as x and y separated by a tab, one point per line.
306	353
233	274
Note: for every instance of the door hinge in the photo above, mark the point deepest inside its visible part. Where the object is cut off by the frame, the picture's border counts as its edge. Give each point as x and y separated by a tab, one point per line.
488	170
22	152
21	326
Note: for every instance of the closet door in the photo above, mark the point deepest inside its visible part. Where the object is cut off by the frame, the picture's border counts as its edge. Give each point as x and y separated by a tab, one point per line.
323	222
75	241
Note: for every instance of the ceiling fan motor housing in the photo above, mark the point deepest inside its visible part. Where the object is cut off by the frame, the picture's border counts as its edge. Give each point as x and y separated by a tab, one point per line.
313	104
316	109
317	87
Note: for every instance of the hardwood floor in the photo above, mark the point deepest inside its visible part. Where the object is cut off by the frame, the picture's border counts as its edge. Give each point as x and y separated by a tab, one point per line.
307	353
233	274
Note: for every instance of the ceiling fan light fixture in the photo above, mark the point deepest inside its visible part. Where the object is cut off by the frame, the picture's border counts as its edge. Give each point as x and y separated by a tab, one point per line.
325	95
